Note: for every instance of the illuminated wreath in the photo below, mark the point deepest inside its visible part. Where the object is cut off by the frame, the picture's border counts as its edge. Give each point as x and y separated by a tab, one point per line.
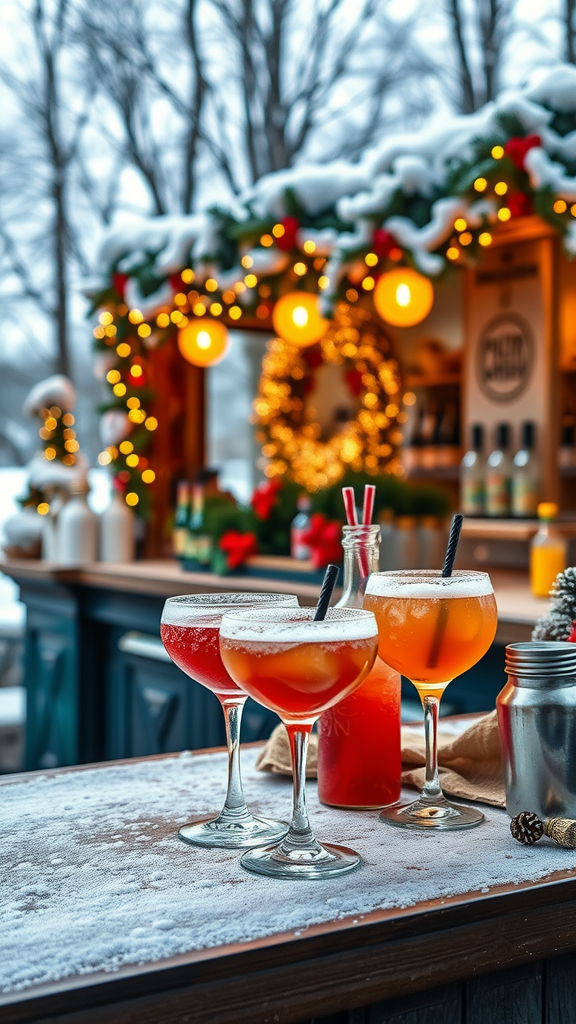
291	439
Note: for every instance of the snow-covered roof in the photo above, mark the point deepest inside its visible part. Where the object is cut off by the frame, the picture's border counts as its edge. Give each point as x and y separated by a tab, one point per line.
339	204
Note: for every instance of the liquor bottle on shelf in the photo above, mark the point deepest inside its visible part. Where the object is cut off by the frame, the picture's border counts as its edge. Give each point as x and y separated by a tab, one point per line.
526	474
77	527
547	551
473	475
448	437
198	543
299	525
181	516
429	447
498	474
567	449
117	531
359	758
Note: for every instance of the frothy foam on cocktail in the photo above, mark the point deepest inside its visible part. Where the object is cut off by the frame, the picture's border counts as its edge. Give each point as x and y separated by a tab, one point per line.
435	588
279	628
206	610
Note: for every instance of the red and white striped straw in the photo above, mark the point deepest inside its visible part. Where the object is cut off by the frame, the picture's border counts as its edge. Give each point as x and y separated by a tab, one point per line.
350	506
368	509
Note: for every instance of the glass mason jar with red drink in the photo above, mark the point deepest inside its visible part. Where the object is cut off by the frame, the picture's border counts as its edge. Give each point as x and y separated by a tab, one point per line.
359	757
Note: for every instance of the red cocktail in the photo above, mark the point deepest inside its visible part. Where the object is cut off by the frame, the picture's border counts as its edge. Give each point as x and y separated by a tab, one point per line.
189	630
196	650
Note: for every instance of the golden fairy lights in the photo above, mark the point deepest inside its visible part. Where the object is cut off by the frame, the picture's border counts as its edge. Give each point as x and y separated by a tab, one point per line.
291	438
58	435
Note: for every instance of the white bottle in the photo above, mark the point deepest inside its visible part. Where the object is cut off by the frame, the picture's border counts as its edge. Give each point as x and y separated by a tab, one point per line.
77	532
117	531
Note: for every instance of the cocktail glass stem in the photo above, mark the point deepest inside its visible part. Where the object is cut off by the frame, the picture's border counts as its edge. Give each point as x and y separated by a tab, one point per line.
300	855
300	836
235	827
432	790
235	808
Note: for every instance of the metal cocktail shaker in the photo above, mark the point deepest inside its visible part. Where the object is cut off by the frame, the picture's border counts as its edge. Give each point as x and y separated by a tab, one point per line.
537	723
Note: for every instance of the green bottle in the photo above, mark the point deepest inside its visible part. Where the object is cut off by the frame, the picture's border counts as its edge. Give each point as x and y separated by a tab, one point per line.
198	543
181	515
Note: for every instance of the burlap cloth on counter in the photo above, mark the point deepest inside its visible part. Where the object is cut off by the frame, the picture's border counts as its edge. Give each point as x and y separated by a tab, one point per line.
470	764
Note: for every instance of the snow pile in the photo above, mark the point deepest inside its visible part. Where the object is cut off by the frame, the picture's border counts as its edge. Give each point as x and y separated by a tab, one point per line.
94	877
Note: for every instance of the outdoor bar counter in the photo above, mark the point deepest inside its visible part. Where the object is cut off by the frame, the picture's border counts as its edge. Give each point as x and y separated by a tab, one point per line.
100	686
110	919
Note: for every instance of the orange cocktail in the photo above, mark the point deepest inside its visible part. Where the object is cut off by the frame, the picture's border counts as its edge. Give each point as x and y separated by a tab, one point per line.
299	668
433	638
432	628
299	680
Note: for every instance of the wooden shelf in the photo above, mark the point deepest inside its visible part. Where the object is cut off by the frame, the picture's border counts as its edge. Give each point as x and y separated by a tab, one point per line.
439	380
442	473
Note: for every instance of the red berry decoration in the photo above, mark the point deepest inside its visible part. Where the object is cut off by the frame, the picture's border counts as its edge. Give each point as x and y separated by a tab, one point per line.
519	204
516	148
383	242
176	283
288	239
119	282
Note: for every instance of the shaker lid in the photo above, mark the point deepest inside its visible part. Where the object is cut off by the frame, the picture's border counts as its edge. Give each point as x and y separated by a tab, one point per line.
541	658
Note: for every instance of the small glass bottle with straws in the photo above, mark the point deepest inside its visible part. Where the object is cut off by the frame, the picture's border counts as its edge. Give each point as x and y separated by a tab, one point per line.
359	759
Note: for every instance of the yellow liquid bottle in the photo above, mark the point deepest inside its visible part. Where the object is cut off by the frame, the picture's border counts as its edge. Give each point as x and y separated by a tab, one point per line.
547	552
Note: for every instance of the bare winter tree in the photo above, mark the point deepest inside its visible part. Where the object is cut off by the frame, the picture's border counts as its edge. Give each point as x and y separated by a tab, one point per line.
479	32
316	80
568	28
48	119
144	59
247	88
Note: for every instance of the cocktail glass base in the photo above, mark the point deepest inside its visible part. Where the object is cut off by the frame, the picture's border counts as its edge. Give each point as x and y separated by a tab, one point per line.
229	834
324	861
432	816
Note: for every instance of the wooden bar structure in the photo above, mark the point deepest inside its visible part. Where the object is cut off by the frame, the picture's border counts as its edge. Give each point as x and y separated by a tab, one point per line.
506	955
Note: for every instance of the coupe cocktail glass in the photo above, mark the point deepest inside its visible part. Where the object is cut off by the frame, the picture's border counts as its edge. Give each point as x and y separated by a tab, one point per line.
189	630
299	668
432	628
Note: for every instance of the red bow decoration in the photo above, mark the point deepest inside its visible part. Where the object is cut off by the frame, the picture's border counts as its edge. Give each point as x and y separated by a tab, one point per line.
572	638
119	282
516	148
288	239
176	283
323	539
237	547
383	242
265	497
519	204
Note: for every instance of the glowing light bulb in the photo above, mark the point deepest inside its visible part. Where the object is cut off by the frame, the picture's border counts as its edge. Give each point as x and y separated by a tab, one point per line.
300	316
403	294
203	339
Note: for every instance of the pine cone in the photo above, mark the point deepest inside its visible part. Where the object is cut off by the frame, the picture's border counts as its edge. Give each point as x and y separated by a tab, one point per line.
527	828
558	624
